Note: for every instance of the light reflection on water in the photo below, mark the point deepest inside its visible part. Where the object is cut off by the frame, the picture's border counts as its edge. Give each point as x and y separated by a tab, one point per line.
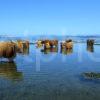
59	76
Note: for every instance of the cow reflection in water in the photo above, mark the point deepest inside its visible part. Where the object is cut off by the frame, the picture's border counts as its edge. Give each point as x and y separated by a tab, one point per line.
9	71
66	51
90	45
90	48
50	50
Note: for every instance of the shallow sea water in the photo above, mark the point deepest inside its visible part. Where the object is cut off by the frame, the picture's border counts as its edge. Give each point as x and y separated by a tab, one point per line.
51	75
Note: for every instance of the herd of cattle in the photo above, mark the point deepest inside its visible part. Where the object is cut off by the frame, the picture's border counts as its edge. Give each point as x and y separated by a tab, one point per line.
68	44
10	49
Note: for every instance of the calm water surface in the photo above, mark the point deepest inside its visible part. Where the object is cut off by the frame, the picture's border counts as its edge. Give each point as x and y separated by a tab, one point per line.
52	75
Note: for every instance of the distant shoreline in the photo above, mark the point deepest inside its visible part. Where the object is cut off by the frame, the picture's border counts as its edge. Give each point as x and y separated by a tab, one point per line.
89	36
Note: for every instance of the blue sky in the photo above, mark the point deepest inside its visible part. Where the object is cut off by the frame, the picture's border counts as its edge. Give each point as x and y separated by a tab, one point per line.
57	17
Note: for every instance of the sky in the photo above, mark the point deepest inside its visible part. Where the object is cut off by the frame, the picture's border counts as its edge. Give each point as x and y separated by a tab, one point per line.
49	17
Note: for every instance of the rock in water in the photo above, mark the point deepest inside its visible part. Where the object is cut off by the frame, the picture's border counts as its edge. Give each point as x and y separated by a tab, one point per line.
91	75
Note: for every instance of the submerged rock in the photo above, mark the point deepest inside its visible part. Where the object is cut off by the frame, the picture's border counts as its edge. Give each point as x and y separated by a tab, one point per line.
91	75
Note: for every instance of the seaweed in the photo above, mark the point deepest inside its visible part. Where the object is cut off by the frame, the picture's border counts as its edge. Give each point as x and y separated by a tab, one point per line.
91	75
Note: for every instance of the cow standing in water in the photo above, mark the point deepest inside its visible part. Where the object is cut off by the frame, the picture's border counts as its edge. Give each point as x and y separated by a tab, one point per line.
7	50
90	42
68	44
90	45
50	44
22	46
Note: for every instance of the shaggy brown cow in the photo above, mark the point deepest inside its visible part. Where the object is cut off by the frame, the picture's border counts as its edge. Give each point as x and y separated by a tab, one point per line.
39	43
22	45
19	46
50	43
67	44
90	42
7	50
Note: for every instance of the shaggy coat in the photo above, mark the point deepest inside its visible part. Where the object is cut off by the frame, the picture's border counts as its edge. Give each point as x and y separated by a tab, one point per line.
7	50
